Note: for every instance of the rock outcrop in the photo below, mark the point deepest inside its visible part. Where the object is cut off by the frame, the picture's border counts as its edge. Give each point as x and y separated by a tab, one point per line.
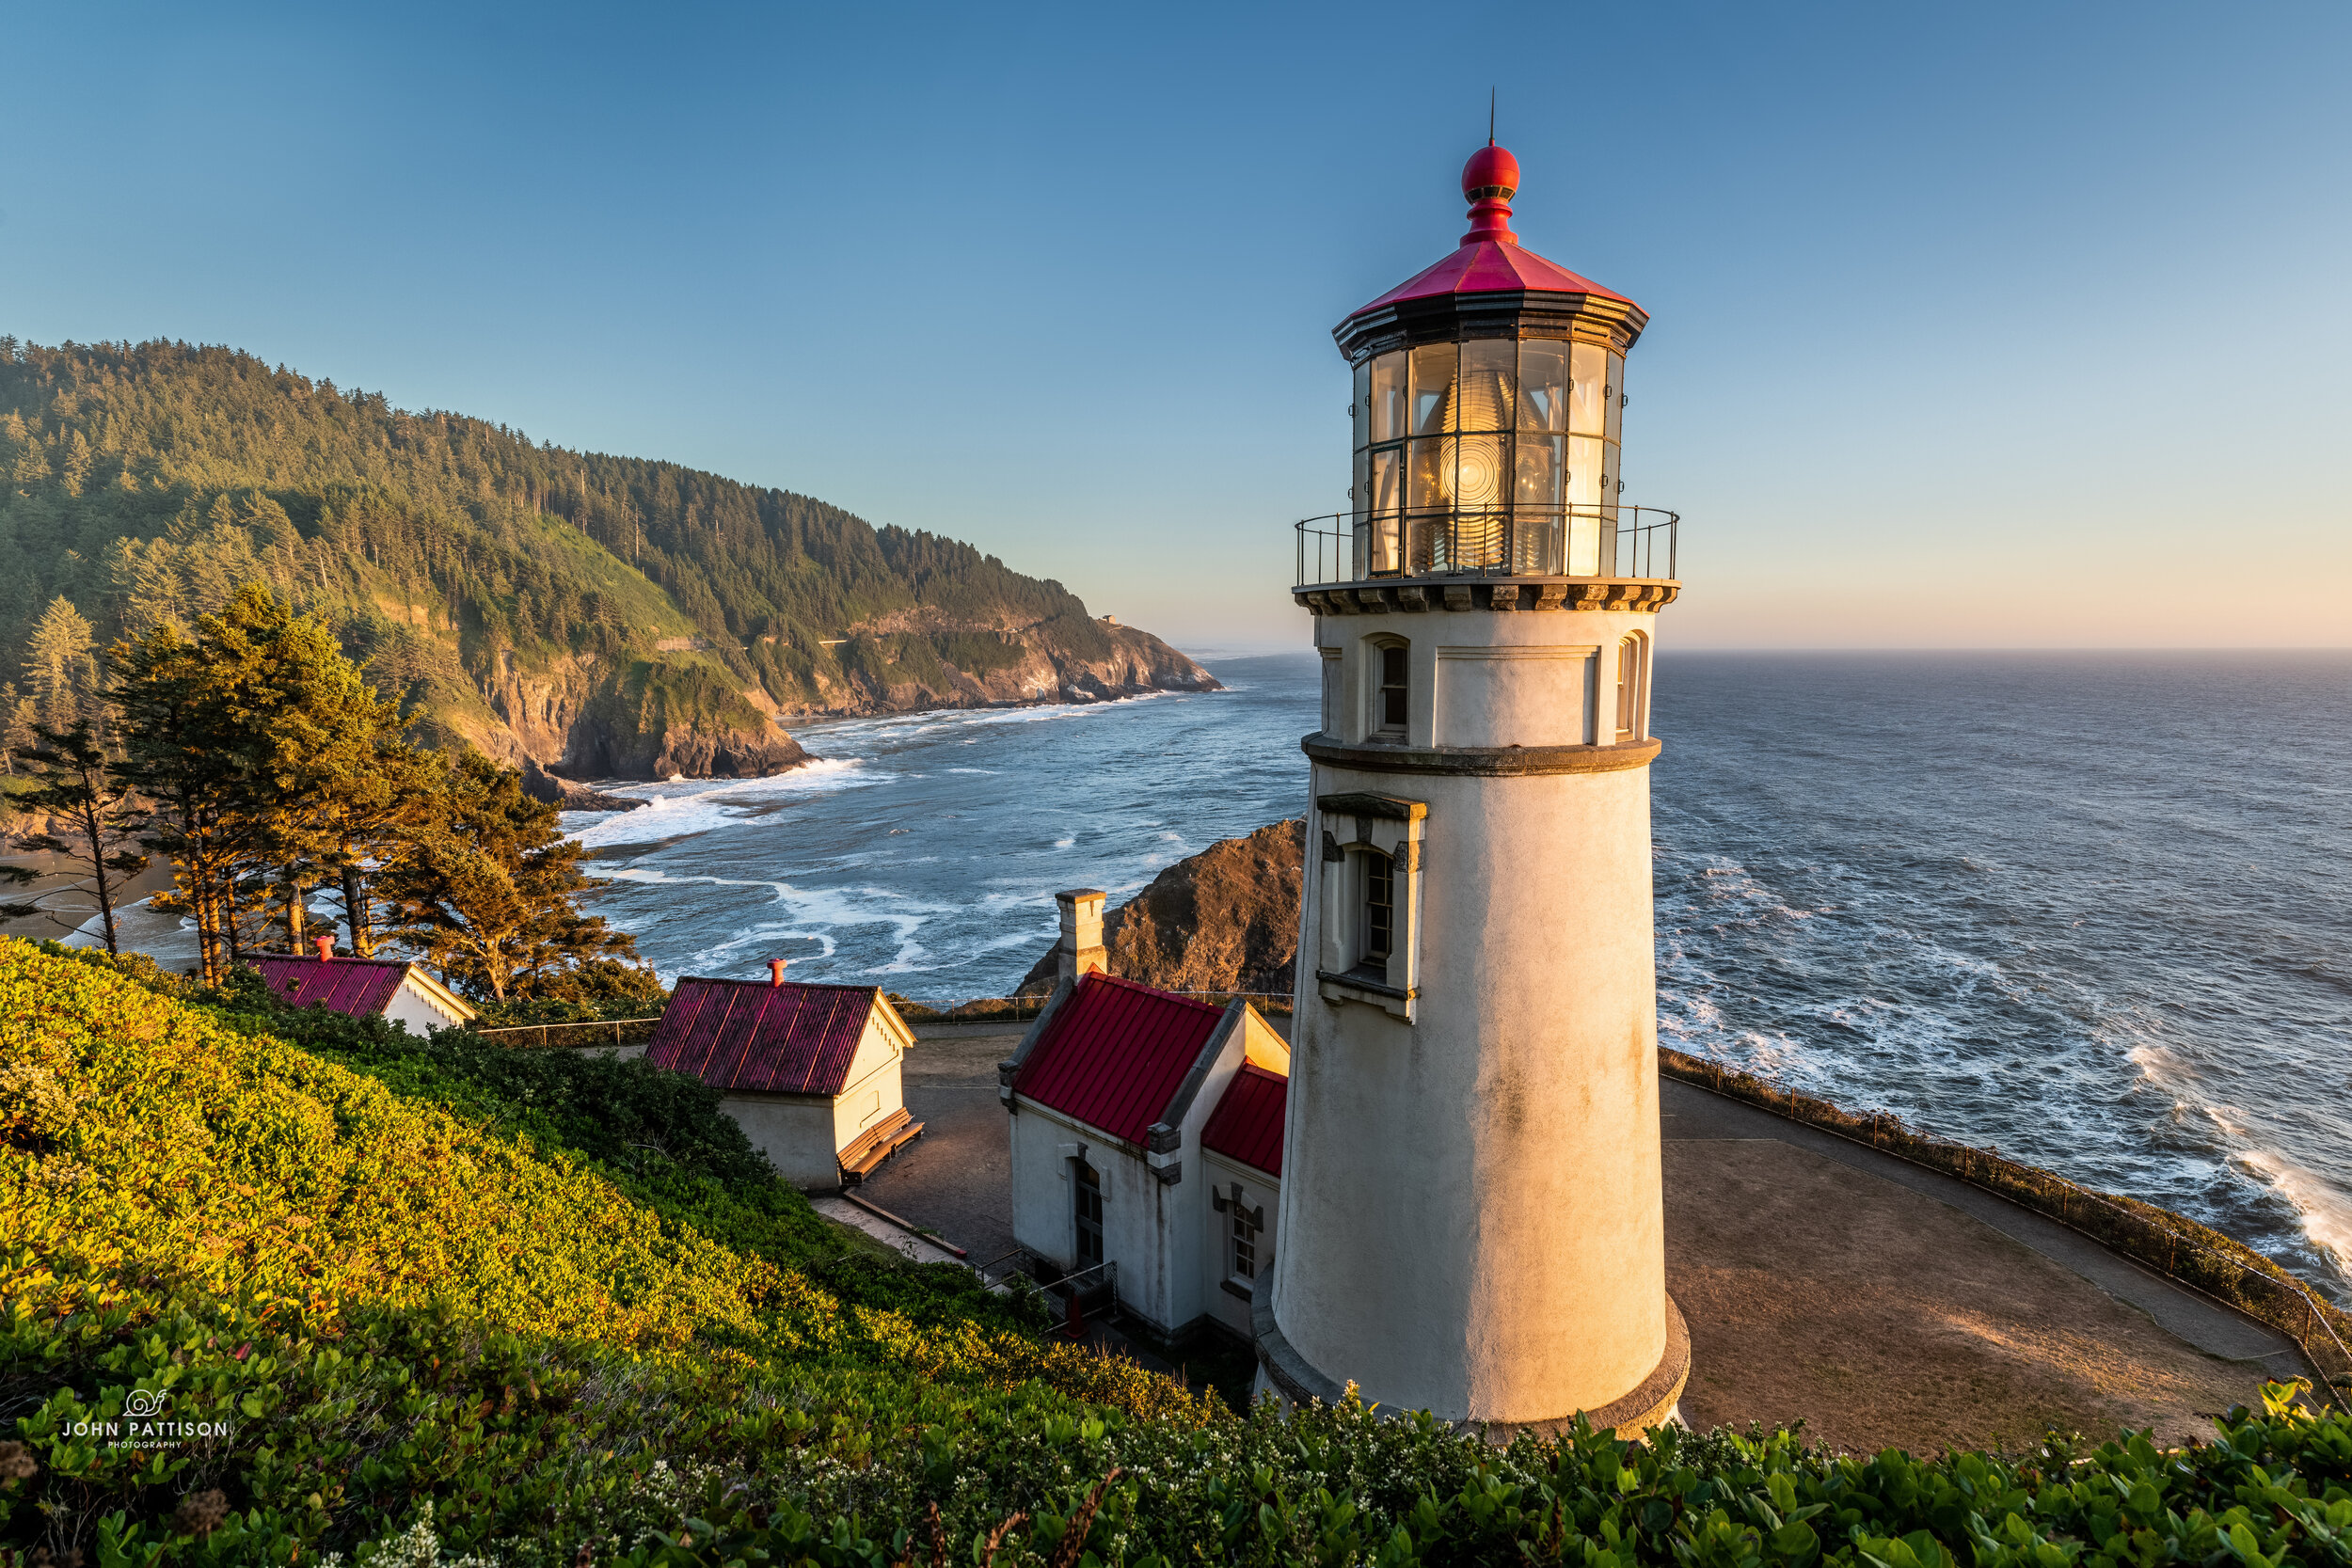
912	660
1225	919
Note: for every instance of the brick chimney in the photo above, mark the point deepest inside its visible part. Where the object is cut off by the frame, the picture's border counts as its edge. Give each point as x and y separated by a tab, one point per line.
1080	951
775	971
326	948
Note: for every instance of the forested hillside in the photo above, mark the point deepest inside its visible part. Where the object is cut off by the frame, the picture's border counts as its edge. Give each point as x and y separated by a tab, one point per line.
606	614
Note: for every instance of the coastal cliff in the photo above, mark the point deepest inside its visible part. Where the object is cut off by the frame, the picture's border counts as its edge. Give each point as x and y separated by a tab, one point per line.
600	616
1223	920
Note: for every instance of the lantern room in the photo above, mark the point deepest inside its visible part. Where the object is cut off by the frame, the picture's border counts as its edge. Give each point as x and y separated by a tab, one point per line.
1488	416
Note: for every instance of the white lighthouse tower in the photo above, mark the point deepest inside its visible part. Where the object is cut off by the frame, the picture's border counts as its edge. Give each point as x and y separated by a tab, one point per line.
1470	1216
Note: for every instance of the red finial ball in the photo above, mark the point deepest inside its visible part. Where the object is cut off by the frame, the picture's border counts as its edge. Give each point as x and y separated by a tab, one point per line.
1490	179
1490	168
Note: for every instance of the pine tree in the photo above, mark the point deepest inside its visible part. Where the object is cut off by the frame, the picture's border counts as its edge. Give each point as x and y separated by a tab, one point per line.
489	896
180	750
77	788
18	719
315	745
58	667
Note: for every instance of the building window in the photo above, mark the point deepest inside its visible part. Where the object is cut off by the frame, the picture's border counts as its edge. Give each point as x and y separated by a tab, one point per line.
1245	1264
1086	1209
1379	909
1389	706
1630	675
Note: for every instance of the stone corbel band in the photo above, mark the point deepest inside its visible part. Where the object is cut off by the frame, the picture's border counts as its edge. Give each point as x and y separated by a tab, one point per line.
1487	762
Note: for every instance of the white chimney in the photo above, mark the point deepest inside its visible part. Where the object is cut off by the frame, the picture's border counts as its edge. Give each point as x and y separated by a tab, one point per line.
1080	951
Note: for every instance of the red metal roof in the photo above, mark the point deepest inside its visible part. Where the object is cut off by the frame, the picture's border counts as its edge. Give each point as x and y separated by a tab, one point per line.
1490	259
751	1035
361	987
1115	1054
1246	1124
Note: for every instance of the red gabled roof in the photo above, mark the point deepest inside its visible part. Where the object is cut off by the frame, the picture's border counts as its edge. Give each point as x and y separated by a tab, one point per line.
1246	1124
1115	1055
362	988
753	1034
1490	266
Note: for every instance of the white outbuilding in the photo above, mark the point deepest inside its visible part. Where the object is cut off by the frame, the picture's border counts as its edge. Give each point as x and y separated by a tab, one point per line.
365	988
810	1072
1147	1143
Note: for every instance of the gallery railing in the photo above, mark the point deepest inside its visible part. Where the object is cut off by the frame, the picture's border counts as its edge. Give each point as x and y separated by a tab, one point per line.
1519	541
2171	1245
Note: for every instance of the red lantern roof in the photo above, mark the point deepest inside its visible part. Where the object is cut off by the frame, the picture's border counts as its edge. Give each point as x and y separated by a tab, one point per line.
1490	259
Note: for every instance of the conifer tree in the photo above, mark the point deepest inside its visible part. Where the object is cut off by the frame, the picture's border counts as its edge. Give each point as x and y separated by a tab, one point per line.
488	898
58	667
18	720
78	789
179	752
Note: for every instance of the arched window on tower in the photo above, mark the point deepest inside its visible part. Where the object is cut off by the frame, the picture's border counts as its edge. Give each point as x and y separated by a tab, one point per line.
1391	690
1633	683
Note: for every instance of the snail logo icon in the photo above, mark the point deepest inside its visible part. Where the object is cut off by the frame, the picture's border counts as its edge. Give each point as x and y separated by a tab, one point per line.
147	1424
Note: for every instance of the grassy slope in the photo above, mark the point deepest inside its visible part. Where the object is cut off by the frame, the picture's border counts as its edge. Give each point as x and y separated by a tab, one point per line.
455	1298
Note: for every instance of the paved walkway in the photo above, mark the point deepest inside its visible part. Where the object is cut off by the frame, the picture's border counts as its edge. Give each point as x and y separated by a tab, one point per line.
1885	1303
1823	1281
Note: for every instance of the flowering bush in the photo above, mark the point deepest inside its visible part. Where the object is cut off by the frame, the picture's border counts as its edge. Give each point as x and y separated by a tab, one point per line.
261	1308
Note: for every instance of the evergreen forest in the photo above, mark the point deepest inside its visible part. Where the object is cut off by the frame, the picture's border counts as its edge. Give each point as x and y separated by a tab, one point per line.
487	581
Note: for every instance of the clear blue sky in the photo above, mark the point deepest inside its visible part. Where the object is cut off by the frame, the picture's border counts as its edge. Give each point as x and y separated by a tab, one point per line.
1971	325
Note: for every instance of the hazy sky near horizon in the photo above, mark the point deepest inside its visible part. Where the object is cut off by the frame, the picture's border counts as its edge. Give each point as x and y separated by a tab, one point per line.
1993	326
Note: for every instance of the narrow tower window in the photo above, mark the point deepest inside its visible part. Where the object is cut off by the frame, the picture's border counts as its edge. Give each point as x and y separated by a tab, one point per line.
1387	715
1380	908
1245	1246
1087	1206
1629	688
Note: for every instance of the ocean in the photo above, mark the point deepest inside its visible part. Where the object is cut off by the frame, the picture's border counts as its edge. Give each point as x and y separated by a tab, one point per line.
2086	908
2091	909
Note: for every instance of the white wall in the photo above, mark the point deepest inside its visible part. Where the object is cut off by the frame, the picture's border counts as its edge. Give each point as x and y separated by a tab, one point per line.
418	1013
1472	1218
795	1131
1257	1190
875	1086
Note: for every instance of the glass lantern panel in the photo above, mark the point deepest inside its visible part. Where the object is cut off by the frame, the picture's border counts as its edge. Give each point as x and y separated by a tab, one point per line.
1386	400
1429	483
1615	411
1361	410
1543	386
1587	460
1489	372
1482	473
1434	392
1539	464
1388	497
1588	363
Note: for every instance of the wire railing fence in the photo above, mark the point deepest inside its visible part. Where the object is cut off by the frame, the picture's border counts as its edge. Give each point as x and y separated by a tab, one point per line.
1013	1009
588	1034
2179	1248
1519	541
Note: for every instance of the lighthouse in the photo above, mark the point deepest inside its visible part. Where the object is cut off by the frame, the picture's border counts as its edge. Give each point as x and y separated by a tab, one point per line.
1470	1215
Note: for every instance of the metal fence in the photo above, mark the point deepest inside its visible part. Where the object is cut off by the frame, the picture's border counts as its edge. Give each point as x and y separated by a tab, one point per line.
573	1036
2177	1247
1017	1009
1570	541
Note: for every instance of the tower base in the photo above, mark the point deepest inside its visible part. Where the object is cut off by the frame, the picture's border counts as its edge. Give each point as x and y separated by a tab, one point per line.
1650	1403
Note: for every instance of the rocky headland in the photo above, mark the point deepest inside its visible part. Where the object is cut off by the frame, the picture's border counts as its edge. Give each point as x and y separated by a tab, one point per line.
1223	920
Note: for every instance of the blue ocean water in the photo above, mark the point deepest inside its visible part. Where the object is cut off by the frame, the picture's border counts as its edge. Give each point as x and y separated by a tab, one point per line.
2088	908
